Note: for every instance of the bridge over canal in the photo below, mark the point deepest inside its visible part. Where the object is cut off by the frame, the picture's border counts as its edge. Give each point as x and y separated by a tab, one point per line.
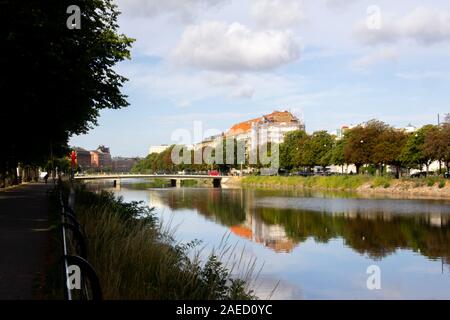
175	179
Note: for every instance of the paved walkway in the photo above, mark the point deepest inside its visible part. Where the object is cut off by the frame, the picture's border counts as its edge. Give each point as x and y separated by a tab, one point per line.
24	239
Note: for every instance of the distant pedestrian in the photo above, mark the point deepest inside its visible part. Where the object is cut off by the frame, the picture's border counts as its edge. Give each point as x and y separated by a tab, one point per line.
46	178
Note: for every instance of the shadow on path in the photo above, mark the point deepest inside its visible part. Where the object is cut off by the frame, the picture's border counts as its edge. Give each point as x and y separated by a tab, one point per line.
24	239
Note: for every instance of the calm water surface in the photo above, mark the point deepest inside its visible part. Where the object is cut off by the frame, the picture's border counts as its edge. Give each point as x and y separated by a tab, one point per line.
317	246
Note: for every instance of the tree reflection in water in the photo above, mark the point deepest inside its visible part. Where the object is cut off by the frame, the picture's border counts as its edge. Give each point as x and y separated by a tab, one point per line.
374	227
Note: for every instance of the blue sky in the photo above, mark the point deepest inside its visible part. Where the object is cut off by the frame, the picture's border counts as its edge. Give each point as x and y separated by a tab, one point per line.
331	62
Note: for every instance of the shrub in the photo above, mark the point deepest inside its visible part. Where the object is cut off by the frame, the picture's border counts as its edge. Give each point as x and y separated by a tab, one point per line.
430	182
384	182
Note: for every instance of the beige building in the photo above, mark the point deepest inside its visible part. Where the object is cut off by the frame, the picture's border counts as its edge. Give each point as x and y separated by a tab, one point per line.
269	128
158	149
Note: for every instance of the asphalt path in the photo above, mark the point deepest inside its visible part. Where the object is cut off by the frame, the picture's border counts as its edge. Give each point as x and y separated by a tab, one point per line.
24	239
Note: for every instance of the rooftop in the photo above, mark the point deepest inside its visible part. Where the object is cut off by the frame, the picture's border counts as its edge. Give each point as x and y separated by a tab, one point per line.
275	117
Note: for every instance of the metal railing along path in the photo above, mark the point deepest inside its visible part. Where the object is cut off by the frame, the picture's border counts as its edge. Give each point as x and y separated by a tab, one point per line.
75	254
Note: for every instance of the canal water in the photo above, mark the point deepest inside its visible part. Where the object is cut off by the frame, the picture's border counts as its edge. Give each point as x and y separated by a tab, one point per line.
315	245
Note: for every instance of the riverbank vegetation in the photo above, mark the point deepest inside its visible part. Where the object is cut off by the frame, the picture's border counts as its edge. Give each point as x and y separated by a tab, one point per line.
332	182
345	182
372	147
137	258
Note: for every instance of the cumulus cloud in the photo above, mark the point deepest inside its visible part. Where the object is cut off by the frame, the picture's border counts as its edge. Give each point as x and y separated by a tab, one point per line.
233	47
245	91
277	13
184	9
220	79
423	25
231	81
379	56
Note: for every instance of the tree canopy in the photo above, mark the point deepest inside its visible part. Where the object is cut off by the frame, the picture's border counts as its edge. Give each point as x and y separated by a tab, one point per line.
55	80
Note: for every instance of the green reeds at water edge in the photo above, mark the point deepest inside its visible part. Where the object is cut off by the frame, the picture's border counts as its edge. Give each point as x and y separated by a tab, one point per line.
136	258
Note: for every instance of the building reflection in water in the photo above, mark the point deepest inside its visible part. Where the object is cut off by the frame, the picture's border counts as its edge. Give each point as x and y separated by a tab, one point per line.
253	228
376	227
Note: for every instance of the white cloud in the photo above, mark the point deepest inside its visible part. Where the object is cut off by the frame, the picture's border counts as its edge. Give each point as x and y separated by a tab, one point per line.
339	3
233	47
183	103
184	9
423	75
244	91
232	81
426	26
220	79
423	25
379	56
277	13
185	89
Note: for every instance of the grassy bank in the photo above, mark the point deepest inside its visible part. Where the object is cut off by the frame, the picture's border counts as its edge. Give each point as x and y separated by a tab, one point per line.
136	259
350	182
331	182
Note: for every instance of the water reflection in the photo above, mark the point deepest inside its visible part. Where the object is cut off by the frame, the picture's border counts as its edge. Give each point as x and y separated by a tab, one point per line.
318	245
281	220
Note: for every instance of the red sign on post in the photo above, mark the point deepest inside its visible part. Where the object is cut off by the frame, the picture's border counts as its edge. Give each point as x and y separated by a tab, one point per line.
73	158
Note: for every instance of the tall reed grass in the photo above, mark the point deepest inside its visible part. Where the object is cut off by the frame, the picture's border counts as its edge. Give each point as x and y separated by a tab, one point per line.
136	259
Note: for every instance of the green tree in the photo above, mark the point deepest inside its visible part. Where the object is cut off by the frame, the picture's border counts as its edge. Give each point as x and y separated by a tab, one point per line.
318	149
446	137
436	144
413	155
292	150
388	148
336	154
54	80
360	142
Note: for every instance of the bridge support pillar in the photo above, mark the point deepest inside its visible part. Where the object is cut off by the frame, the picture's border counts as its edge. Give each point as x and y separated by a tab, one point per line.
116	184
216	183
175	183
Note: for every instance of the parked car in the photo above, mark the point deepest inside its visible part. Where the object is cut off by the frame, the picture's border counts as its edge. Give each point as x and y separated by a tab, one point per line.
421	174
447	175
303	173
323	173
